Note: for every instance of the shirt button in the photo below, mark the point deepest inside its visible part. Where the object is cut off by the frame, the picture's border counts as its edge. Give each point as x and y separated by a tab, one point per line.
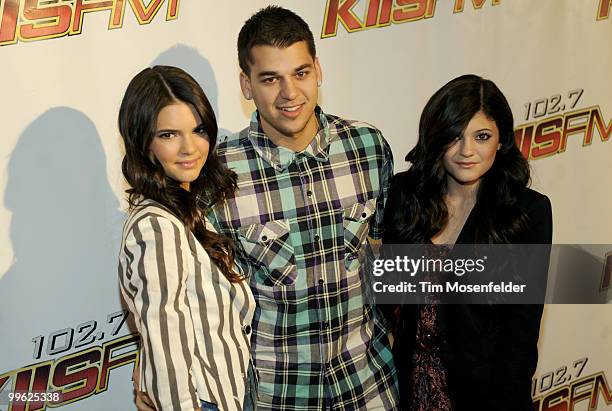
364	215
321	281
264	238
308	193
317	238
246	329
324	325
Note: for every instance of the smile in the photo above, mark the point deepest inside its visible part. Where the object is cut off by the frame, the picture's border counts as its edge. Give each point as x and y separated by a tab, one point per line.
187	164
466	165
291	111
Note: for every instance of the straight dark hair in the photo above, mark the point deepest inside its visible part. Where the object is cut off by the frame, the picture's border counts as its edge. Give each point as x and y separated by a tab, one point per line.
147	94
272	26
444	118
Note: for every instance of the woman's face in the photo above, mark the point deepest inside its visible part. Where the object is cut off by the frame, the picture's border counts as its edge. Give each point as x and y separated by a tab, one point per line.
180	143
472	154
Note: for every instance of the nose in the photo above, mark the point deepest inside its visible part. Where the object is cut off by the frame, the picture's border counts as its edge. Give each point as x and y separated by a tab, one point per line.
288	89
466	148
187	144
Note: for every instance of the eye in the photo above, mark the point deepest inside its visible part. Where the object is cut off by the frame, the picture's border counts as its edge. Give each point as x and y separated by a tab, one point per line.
201	131
483	136
301	74
166	135
268	80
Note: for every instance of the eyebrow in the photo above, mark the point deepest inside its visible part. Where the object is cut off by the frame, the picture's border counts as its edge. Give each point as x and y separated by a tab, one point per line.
482	129
303	66
275	73
171	130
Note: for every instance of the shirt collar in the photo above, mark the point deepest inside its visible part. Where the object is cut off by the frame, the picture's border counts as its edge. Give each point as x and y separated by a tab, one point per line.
280	157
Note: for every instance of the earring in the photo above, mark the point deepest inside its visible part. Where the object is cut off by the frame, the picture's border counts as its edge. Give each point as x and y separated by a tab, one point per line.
247	95
319	83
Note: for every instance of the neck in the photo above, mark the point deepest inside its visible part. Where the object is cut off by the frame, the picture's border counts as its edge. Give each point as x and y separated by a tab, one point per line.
460	194
296	141
460	200
185	186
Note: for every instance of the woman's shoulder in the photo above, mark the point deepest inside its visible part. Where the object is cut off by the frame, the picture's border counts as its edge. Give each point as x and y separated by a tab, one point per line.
538	211
146	211
397	185
399	178
394	215
530	200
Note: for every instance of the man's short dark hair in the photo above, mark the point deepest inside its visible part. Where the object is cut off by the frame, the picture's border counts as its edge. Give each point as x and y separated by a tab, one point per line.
272	26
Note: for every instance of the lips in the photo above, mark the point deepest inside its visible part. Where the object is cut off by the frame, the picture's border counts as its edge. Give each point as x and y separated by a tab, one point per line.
291	111
466	164
188	164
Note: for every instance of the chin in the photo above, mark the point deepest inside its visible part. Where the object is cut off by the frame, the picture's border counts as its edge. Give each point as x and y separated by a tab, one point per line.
188	179
469	182
290	131
466	180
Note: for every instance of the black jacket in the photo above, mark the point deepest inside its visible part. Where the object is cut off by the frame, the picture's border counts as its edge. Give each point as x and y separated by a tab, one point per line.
489	351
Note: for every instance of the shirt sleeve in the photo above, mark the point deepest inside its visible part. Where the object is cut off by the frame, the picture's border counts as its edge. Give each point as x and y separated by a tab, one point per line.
157	296
386	172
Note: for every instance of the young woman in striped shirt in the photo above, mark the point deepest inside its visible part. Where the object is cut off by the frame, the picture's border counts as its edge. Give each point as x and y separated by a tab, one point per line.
176	274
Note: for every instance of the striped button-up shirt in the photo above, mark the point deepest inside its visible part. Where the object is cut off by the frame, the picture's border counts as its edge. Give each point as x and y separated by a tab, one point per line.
300	220
195	324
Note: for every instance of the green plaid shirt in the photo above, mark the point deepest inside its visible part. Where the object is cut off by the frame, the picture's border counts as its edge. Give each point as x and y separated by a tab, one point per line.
300	221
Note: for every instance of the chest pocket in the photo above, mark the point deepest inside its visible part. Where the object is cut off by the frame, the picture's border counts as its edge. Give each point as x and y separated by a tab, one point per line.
268	248
356	221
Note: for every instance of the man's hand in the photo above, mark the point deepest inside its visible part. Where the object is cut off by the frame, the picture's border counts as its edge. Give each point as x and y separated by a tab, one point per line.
143	402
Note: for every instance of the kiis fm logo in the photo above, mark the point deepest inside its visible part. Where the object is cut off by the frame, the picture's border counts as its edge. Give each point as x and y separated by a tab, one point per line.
564	388
572	397
551	126
28	20
382	13
67	379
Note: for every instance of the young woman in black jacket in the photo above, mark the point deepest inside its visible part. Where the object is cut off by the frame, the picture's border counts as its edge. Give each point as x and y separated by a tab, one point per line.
467	184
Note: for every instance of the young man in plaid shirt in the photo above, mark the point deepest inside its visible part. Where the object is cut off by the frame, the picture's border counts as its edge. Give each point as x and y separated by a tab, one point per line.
311	189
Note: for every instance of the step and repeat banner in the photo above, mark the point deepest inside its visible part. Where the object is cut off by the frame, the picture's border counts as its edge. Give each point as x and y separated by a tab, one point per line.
66	63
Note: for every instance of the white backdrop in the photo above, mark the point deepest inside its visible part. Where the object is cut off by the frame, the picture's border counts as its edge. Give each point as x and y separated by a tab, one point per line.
62	190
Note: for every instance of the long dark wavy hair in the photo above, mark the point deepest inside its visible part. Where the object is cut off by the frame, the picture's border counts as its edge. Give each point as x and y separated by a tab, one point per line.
444	118
147	94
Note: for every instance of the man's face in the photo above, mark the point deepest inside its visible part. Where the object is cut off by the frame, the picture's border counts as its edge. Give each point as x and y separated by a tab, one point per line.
283	83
